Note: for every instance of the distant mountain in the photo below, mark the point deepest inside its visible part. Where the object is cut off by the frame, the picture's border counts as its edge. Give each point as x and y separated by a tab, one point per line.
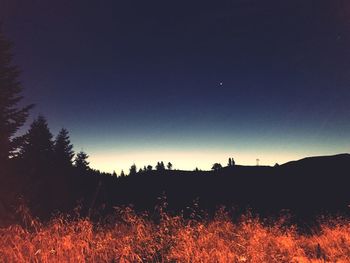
317	162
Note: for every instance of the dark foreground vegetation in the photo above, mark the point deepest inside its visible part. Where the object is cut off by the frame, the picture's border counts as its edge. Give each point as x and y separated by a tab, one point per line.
160	237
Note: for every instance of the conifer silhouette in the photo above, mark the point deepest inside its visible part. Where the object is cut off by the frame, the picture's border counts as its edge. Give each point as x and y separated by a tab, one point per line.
37	147
133	170
160	166
63	150
81	162
12	117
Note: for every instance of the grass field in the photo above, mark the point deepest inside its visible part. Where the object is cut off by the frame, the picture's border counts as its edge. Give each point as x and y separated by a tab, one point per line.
131	237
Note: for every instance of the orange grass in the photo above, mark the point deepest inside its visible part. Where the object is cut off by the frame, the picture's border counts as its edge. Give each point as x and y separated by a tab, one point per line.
137	238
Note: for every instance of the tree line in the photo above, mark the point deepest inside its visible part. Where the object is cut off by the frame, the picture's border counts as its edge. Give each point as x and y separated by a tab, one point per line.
37	165
37	148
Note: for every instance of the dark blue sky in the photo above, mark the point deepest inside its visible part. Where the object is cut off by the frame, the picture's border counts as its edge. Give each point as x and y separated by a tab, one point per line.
139	81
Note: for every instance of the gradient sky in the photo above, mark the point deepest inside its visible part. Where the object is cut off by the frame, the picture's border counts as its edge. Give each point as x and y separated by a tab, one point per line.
191	82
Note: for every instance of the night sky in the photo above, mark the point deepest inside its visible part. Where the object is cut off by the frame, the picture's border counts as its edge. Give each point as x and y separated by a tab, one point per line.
191	82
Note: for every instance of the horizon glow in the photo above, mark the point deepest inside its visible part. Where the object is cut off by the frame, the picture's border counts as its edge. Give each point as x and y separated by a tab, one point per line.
185	82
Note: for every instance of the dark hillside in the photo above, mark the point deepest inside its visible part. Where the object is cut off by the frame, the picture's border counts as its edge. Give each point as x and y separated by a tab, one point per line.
308	186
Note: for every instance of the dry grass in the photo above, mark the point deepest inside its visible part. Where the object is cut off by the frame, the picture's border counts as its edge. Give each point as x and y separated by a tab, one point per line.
138	238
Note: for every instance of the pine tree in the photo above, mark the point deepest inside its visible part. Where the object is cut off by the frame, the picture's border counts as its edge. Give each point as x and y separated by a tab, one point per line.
160	166
63	150
12	117
81	162
169	165
233	163
37	147
133	170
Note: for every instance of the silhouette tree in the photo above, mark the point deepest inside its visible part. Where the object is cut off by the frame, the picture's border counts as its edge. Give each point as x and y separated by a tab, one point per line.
37	146
122	174
231	162
36	158
149	167
169	166
114	174
216	166
63	150
12	116
160	166
81	162
133	170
